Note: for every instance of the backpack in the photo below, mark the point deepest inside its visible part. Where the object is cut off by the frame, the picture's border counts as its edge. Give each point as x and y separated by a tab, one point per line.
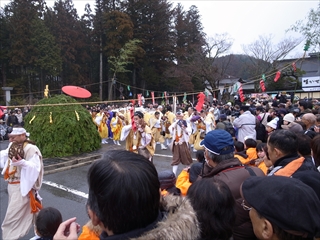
261	130
229	128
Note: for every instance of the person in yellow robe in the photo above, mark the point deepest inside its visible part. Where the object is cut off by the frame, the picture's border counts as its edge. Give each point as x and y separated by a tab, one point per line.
139	137
116	127
101	122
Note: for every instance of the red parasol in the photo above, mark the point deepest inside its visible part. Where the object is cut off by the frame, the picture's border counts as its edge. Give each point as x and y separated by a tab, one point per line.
77	92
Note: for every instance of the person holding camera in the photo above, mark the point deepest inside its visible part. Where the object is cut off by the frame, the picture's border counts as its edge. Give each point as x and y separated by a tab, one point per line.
180	132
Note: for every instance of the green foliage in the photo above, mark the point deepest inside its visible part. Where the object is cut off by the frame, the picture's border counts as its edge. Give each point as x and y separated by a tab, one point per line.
125	57
309	29
47	54
65	136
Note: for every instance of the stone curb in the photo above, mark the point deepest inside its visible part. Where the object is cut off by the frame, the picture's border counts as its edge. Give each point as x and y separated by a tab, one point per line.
78	161
70	164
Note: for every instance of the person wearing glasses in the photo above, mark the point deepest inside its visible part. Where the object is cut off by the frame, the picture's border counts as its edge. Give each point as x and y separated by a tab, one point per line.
221	164
281	208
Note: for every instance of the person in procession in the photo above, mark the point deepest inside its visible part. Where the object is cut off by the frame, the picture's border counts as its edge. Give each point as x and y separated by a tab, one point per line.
23	170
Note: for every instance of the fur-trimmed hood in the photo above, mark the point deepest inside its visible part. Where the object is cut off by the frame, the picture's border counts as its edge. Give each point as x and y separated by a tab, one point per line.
179	222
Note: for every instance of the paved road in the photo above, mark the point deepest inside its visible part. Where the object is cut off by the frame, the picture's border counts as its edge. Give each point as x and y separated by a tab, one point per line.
67	190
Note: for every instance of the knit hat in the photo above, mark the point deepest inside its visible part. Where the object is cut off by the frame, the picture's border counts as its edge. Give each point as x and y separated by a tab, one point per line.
273	123
286	202
289	117
218	141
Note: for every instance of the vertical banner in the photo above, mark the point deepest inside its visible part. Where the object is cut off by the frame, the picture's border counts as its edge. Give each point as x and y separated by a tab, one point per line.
152	95
165	95
139	99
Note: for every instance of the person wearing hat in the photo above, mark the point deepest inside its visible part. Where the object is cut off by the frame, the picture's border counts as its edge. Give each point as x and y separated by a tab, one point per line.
23	171
246	124
138	137
272	125
180	131
281	208
290	124
222	165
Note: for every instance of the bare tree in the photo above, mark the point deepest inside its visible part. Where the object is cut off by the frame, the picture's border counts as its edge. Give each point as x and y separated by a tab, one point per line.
203	66
265	55
264	49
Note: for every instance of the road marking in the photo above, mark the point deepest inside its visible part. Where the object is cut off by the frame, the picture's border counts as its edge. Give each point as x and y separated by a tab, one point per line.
64	188
82	194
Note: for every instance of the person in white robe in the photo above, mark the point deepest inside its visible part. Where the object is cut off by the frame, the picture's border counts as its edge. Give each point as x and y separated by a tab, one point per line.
24	175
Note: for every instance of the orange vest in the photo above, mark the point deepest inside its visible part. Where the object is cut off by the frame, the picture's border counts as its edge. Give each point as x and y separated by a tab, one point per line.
183	182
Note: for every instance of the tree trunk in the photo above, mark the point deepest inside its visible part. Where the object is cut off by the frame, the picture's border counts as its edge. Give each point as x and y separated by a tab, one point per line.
100	73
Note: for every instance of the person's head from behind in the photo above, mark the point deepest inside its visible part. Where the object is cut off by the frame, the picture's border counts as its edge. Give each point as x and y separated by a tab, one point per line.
281	143
250	143
304	146
47	222
200	156
309	119
239	146
219	146
303	105
281	208
123	192
215	207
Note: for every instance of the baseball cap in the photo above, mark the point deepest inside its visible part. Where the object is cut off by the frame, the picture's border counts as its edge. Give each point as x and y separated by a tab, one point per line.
286	202
218	141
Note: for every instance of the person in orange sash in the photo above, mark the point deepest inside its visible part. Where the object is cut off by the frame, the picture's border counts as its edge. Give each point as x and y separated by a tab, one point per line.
23	171
283	153
138	137
180	132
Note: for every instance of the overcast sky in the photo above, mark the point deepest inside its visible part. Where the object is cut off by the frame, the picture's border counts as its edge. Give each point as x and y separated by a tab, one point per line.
244	21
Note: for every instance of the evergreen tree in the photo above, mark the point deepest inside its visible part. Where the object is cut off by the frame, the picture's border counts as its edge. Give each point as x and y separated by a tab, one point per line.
4	47
47	60
22	54
152	21
63	22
